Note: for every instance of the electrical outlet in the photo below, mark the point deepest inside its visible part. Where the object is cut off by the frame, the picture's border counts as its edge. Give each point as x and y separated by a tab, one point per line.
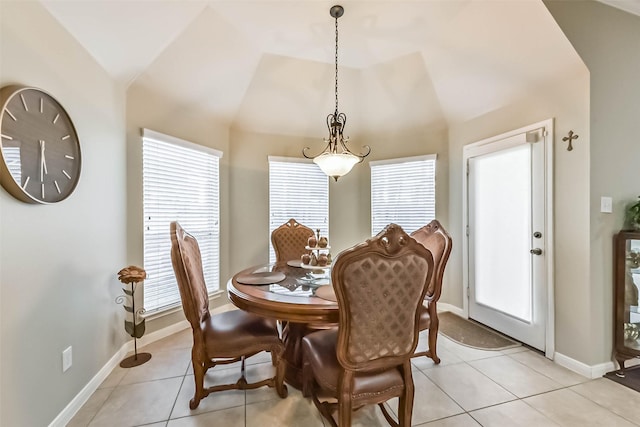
67	359
606	205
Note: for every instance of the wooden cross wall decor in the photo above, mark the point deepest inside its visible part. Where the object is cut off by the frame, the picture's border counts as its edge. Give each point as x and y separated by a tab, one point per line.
570	138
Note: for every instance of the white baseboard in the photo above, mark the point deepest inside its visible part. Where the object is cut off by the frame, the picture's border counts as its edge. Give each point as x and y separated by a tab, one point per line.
443	306
81	398
160	333
589	371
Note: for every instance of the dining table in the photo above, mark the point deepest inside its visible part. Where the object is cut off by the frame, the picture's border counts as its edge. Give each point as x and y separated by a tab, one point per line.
300	297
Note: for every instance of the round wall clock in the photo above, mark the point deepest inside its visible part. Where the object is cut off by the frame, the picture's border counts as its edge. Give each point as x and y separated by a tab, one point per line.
39	146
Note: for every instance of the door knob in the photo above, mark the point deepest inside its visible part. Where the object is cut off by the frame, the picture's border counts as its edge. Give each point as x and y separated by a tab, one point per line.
536	251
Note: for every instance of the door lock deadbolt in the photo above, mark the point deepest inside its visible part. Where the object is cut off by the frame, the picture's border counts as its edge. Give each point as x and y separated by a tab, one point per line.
537	234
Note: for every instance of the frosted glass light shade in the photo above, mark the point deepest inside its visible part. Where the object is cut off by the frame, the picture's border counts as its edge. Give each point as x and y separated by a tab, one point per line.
336	165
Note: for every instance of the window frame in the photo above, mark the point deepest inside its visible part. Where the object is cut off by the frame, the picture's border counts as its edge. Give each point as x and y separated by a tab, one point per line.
210	246
276	222
399	161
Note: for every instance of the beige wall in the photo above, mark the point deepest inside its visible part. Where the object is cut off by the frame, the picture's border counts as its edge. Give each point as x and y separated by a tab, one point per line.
567	102
249	186
349	198
250	201
59	263
146	109
608	40
406	143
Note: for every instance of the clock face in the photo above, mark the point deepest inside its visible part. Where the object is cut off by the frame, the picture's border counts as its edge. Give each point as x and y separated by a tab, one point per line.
40	147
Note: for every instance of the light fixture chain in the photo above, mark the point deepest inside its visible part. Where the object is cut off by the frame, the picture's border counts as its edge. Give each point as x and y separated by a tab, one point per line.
336	88
336	159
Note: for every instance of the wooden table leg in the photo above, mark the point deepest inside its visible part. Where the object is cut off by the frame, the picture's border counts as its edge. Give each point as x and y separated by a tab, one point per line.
292	335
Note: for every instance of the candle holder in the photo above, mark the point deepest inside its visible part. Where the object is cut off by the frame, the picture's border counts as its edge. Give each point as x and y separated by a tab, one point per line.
133	275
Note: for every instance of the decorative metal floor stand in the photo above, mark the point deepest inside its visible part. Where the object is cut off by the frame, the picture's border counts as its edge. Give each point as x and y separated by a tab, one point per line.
135	360
133	275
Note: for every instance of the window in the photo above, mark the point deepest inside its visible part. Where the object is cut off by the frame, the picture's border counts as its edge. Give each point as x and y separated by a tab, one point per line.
180	183
403	191
297	189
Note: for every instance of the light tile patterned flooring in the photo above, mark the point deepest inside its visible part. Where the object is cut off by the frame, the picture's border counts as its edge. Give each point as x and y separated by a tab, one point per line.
516	387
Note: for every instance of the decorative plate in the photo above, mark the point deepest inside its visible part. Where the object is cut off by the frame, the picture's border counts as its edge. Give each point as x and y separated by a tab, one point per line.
262	278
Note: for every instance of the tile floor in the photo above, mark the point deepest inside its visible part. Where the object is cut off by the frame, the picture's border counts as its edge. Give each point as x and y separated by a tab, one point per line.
515	387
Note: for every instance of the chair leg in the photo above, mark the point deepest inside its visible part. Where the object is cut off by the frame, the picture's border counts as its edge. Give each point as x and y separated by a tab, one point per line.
242	381
279	363
307	378
344	399
405	404
344	412
198	376
387	415
433	337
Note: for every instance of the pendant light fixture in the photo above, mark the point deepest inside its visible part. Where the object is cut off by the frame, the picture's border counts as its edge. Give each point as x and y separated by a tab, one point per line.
336	160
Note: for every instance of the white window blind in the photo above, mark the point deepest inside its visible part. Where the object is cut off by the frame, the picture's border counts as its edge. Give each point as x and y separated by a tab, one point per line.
403	191
180	183
297	189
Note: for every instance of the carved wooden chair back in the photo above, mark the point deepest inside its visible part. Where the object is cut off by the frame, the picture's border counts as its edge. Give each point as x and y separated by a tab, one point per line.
379	285
187	263
223	338
290	239
434	237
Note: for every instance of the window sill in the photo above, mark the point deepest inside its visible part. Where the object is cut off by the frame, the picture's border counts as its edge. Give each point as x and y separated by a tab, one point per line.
176	308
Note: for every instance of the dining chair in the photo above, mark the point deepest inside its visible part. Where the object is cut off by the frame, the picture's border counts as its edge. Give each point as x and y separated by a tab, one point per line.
379	285
222	338
434	237
290	239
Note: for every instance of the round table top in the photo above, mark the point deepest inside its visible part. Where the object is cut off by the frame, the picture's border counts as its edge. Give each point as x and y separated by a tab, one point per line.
291	299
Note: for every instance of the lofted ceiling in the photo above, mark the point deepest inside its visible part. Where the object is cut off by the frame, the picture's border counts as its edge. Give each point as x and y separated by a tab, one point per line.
267	66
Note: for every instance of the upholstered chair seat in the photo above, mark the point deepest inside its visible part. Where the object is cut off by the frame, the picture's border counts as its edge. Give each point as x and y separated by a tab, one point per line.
238	330
321	351
425	319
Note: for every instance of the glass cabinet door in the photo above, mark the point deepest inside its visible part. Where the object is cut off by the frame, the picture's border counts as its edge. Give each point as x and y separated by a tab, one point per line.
632	285
627	259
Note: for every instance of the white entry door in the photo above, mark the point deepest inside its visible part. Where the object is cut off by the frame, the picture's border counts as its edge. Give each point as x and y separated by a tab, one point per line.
507	234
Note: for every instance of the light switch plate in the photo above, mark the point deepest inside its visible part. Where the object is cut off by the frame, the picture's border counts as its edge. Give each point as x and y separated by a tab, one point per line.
606	205
67	359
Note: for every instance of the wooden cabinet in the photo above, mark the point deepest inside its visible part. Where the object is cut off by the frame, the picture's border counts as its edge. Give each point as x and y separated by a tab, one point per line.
627	289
